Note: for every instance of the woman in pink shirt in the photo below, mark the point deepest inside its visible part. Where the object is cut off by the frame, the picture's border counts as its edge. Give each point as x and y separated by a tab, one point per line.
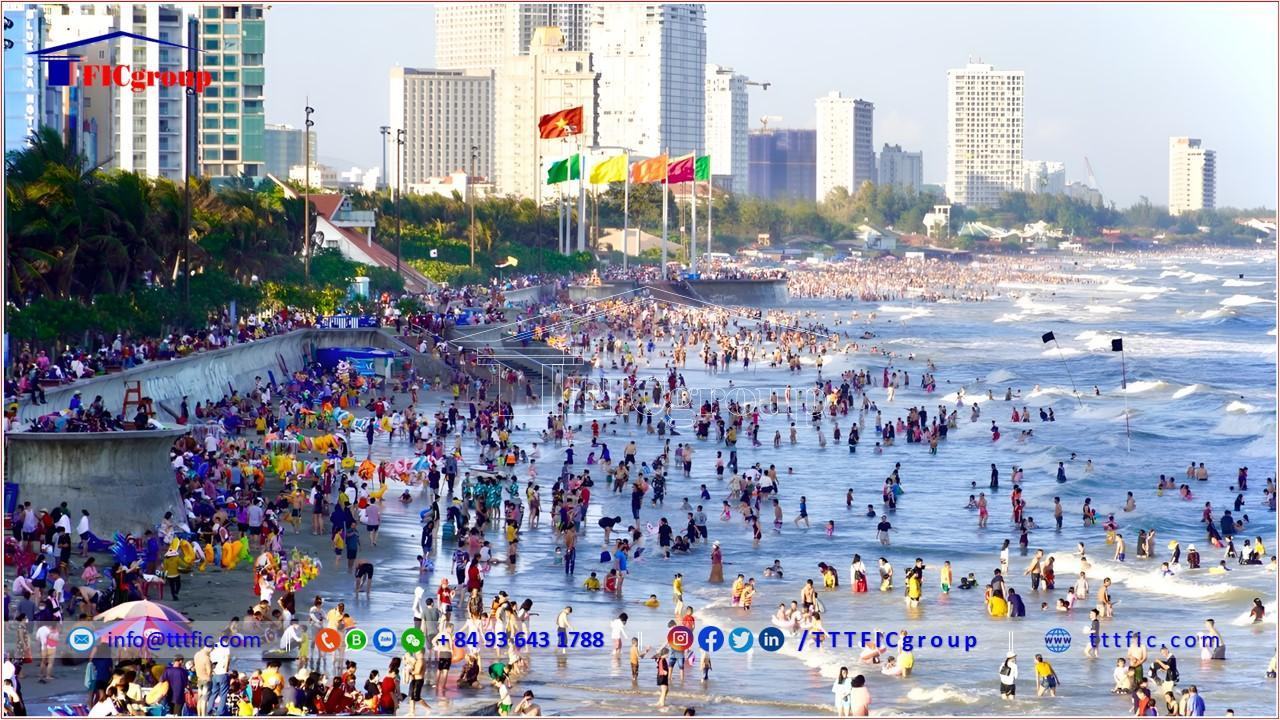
859	697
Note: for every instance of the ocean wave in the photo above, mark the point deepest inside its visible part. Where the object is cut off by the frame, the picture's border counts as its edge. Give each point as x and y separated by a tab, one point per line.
1241	425
1242	283
1143	386
1156	582
1010	318
1263	447
943	693
905	311
1244	619
1119	286
1106	310
1188	390
1028	304
1201	278
1066	352
999	376
1235	406
1244	301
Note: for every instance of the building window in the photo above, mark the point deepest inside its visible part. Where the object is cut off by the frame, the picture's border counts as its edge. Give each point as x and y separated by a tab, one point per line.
211	44
231	107
230	138
209	138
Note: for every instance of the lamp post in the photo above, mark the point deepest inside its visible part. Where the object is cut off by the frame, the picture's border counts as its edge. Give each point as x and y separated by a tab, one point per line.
471	200
400	133
385	130
306	205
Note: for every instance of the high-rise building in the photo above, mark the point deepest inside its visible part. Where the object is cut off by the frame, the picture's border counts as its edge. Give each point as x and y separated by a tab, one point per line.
285	146
445	113
546	80
1192	176
835	144
1044	176
864	149
984	134
89	119
232	43
28	101
479	35
901	168
652	63
727	127
148	132
782	164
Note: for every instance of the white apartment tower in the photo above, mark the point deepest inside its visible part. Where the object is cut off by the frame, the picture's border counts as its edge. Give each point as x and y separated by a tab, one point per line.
444	113
1192	176
834	165
984	134
727	127
481	35
652	64
899	167
546	80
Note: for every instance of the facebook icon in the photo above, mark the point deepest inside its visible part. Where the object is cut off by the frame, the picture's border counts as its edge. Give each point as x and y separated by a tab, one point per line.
710	639
771	639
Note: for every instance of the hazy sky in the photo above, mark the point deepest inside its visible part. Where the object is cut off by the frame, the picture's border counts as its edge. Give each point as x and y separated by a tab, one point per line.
1107	81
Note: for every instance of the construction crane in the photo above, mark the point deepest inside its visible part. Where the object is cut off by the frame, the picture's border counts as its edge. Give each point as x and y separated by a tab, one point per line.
765	120
761	85
1093	181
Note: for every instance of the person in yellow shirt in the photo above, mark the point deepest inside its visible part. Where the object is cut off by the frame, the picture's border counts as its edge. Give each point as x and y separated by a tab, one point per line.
592	584
997	606
677	589
1046	678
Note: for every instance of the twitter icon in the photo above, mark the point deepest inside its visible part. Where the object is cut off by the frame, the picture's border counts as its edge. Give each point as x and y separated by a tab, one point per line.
741	639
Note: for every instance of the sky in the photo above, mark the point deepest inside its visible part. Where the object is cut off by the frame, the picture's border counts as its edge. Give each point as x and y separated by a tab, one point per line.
1111	82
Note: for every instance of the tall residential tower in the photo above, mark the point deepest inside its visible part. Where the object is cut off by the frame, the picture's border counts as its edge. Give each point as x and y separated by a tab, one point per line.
481	36
727	128
1192	176
984	134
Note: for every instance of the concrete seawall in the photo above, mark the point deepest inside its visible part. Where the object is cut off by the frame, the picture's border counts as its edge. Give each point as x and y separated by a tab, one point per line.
209	375
122	478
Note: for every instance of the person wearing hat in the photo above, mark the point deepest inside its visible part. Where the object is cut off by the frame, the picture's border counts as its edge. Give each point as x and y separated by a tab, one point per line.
76	401
1009	675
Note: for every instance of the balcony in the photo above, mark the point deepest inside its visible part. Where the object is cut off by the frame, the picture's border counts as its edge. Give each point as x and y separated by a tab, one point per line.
354	218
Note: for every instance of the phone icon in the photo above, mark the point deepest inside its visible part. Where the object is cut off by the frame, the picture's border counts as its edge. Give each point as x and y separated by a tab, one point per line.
328	640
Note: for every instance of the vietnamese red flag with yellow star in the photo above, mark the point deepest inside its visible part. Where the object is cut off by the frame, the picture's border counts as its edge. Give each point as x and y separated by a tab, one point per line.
561	123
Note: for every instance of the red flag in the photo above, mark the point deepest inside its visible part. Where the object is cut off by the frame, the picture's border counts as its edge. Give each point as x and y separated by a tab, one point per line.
681	170
560	124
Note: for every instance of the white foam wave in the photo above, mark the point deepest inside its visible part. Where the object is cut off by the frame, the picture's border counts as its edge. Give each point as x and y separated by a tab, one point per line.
905	311
1188	390
1119	286
1244	301
1221	312
1241	425
1242	283
1106	310
1235	406
941	694
1143	386
1066	352
999	376
1156	582
1201	277
1263	447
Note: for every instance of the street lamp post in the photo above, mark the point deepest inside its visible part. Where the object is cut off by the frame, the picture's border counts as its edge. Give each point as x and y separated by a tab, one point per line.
385	130
306	205
400	133
471	200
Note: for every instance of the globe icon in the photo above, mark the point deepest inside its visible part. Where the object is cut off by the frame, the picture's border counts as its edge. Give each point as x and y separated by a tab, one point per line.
1057	640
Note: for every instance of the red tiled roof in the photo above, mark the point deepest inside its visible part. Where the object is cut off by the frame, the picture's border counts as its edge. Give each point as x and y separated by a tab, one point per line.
327	205
414	280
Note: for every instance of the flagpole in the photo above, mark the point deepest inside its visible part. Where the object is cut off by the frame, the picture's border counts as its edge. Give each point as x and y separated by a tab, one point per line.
710	198
693	218
582	192
626	207
1068	369
663	269
1124	389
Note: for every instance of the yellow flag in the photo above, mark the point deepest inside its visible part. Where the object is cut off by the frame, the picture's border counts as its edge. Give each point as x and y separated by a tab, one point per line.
612	170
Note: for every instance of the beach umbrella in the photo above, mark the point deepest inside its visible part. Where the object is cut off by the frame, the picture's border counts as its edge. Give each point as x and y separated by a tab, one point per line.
141	627
141	609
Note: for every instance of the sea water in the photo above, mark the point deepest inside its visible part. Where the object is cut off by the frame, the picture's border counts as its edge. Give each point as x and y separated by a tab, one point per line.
1200	364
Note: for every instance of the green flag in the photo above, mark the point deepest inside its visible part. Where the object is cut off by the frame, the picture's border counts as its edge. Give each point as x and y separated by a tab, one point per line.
702	168
562	170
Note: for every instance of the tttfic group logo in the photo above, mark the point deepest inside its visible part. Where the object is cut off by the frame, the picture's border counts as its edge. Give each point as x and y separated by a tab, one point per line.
1057	640
64	68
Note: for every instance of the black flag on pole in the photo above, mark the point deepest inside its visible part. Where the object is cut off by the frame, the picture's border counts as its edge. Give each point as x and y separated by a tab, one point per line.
1047	337
1117	345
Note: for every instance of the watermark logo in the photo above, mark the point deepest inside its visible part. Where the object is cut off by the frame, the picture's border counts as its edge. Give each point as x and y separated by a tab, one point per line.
357	639
710	639
328	640
771	639
741	639
384	639
413	640
1057	640
81	638
680	638
64	68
